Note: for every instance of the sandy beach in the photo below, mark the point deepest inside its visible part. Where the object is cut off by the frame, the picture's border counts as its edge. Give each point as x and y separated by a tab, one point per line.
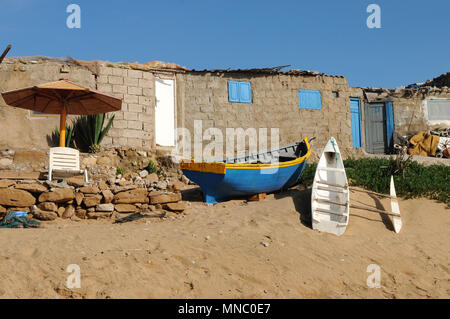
235	249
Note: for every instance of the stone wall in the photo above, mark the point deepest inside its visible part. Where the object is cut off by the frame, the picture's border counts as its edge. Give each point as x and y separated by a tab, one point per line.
73	199
275	104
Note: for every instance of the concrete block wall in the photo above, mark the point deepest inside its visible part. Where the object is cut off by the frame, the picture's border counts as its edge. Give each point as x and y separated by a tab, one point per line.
19	128
134	125
274	104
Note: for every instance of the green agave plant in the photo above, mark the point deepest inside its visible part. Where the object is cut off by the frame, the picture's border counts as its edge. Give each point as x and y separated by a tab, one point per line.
53	139
90	131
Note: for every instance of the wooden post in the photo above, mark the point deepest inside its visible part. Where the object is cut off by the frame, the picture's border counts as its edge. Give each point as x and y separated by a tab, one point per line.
62	126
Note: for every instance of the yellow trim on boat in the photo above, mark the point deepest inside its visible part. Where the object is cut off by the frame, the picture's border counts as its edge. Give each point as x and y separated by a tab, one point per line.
220	168
217	168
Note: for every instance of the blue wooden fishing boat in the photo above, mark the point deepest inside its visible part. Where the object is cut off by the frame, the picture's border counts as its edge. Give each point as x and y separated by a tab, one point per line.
225	180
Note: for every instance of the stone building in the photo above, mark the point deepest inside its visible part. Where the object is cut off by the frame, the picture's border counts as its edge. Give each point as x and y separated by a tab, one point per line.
159	97
299	103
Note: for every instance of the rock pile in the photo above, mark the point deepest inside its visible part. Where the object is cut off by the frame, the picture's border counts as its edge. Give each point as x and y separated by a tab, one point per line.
76	200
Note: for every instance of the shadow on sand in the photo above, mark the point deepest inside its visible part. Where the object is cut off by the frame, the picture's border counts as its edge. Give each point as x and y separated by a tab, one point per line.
302	202
301	198
192	195
385	218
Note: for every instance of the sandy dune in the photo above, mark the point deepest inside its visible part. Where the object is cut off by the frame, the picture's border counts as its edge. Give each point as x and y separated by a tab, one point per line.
217	252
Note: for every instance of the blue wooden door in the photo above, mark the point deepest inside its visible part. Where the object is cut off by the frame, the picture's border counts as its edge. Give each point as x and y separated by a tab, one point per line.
355	111
389	124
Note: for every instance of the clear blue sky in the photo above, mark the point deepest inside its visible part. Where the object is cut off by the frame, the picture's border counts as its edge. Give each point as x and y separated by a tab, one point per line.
329	36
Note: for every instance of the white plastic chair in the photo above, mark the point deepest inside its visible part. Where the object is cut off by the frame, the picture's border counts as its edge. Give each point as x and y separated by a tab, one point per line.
65	162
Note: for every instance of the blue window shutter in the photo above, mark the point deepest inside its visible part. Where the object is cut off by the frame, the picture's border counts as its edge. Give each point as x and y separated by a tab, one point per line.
239	91
245	92
390	123
233	91
355	111
309	99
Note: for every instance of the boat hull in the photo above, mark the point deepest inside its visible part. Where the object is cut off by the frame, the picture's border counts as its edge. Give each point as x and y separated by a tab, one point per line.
221	181
330	195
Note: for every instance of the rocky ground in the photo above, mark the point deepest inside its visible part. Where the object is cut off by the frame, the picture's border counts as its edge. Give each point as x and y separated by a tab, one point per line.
120	182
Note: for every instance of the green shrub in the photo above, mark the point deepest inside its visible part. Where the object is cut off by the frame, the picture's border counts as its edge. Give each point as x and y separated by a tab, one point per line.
151	167
411	179
119	171
370	173
307	176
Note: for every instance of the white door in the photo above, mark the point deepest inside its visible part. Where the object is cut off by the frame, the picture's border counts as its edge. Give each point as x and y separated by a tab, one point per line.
164	112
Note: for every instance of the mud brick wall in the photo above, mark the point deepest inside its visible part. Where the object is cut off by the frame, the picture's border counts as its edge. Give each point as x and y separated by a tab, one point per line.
134	125
204	96
275	104
409	113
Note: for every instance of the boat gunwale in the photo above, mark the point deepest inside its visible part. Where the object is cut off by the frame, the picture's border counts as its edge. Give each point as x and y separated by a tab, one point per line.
220	167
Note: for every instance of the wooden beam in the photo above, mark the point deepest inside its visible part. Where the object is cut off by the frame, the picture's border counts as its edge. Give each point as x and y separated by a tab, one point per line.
369	192
5	53
321	200
331	190
334	185
374	210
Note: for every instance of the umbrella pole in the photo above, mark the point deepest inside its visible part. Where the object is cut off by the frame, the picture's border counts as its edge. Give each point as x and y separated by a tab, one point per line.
62	126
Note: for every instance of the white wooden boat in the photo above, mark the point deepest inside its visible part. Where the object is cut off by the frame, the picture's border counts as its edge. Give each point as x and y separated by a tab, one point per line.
395	209
397	220
330	199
